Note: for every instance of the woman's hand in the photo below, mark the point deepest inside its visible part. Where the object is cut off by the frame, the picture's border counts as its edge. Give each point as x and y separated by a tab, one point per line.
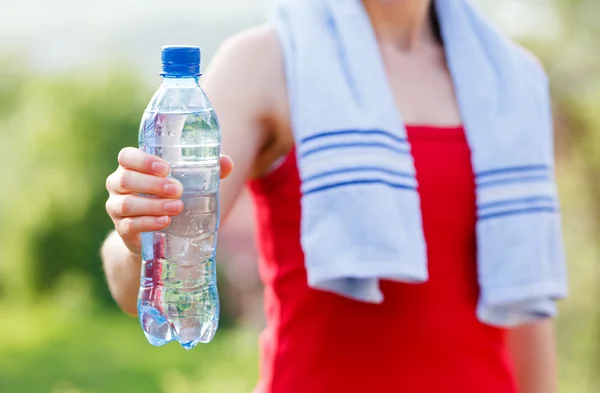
143	173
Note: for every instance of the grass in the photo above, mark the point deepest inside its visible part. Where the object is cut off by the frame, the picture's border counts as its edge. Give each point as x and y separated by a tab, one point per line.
107	352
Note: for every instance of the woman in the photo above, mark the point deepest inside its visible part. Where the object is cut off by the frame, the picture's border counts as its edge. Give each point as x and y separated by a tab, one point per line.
425	337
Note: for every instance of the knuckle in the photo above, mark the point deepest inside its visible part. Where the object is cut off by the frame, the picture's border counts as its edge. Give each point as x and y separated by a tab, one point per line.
123	180
120	228
110	181
108	206
126	227
124	205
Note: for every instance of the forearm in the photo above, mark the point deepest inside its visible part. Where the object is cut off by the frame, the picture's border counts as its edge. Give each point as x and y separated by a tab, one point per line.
533	352
122	269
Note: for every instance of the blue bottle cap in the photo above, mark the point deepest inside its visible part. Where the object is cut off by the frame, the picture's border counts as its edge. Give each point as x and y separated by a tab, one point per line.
180	61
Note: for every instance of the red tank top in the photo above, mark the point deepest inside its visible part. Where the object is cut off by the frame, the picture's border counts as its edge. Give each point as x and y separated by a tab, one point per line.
424	338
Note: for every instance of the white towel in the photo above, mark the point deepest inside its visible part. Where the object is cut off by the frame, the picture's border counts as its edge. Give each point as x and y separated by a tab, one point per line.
361	218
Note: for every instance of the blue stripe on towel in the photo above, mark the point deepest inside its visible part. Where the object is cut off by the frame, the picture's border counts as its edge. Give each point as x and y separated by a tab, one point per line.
356	144
514	169
521	179
350	132
358	182
359	169
531	210
528	200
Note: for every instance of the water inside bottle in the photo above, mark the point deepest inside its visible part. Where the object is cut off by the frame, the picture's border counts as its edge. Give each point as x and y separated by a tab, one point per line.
178	297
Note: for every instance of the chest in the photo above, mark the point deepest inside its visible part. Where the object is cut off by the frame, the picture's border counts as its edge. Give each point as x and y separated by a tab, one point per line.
422	86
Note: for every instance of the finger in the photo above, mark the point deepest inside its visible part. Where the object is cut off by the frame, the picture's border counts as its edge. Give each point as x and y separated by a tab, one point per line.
132	158
131	227
125	181
130	205
226	166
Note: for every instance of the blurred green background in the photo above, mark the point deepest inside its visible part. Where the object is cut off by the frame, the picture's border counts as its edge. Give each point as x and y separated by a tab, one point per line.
73	87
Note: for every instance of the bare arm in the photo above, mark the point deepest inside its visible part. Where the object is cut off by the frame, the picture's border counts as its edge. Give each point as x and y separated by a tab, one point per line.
532	346
239	84
533	352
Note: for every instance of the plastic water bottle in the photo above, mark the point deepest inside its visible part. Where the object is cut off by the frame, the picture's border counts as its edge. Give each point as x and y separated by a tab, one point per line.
178	298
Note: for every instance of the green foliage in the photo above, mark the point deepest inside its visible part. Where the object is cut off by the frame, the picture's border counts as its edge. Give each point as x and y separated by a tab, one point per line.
60	137
573	63
60	140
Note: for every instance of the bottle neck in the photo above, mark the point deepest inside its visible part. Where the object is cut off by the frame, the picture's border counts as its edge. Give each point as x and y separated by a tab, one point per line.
170	81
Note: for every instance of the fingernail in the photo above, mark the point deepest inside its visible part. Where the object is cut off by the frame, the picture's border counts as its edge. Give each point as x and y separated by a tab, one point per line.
172	188
160	167
162	220
173	206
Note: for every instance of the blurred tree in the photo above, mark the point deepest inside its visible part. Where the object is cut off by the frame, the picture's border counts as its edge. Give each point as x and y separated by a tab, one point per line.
60	137
576	79
573	61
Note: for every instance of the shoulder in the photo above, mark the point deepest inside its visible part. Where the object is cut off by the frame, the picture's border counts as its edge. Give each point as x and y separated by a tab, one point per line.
246	85
256	46
248	63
